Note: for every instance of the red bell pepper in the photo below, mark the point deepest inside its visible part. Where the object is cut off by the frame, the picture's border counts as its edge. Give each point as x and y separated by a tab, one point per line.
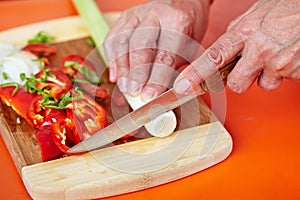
40	50
57	130
26	110
73	71
91	115
44	135
56	81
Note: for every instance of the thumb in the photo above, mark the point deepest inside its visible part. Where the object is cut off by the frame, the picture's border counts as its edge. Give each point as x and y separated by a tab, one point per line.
225	49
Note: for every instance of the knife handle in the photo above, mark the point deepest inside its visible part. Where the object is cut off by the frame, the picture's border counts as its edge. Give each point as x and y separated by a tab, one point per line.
212	84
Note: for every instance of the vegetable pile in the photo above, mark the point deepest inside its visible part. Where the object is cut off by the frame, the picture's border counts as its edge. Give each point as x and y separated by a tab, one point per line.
59	101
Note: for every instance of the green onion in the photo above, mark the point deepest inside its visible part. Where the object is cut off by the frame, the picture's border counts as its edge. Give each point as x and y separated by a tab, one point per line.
95	22
90	75
77	80
30	84
23	76
61	103
44	69
42	63
16	85
5	75
47	100
90	42
41	37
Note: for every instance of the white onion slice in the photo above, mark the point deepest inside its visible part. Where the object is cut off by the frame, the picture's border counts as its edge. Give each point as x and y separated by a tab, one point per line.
6	49
17	63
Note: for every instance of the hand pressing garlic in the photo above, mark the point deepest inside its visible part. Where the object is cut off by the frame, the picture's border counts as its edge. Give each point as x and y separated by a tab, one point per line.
149	37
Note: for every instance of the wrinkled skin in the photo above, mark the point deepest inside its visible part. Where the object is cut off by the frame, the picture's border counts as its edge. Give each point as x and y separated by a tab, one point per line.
145	30
267	37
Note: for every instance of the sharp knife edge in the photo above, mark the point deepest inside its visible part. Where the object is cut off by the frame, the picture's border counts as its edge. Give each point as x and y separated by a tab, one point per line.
136	119
132	121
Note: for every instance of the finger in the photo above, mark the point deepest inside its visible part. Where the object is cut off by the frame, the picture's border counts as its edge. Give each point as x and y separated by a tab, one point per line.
268	81
167	58
109	50
286	61
143	41
225	49
116	48
246	70
161	76
295	76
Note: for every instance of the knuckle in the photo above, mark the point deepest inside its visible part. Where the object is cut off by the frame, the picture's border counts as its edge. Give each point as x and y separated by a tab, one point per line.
226	48
165	58
140	73
139	43
184	18
140	57
121	39
218	53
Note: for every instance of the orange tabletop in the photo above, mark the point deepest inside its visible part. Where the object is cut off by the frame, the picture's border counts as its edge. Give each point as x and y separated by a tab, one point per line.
265	126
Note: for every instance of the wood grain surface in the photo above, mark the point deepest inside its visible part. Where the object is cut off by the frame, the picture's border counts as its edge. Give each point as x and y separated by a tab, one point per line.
21	139
84	176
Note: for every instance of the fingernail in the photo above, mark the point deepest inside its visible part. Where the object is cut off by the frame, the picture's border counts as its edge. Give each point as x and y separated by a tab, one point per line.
112	76
122	83
234	86
134	89
148	94
182	86
112	73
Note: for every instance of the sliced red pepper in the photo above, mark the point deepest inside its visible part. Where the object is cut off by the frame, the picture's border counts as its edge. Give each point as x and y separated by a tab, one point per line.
64	132
94	90
82	118
90	114
48	147
57	82
36	112
40	50
44	135
26	110
69	70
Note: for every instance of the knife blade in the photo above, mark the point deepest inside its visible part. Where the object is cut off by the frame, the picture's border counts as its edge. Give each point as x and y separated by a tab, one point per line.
167	101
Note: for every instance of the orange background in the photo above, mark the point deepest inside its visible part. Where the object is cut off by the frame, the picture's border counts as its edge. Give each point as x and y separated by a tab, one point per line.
265	126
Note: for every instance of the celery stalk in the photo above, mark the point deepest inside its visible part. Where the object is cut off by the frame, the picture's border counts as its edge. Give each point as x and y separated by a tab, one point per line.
95	22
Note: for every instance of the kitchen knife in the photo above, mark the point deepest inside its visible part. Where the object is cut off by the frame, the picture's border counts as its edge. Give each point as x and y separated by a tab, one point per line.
136	119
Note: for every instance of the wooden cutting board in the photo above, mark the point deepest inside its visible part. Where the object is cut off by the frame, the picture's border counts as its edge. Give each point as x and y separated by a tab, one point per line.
200	140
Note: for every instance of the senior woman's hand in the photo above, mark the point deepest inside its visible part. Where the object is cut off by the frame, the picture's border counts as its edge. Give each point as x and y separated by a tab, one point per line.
143	46
267	37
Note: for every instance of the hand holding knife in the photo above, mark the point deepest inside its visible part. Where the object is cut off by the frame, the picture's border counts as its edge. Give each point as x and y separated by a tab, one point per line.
167	101
136	119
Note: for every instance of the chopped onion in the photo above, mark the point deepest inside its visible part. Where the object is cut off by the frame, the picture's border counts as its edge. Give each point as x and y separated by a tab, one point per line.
13	63
6	49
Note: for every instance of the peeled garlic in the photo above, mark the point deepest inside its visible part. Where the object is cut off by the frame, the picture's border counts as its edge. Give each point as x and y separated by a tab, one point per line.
161	126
